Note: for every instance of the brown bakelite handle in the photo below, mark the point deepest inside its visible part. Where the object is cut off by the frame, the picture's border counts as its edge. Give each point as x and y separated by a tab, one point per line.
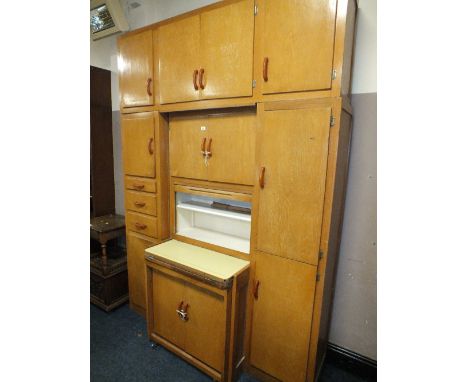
208	149
148	86
255	292
139	186
139	204
140	225
265	69
202	72
203	144
261	179
150	146
181	305
195	77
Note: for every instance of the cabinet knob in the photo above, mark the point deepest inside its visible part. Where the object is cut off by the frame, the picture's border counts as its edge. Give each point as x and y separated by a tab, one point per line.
202	72
182	312
140	225
203	144
150	146
139	186
208	149
148	86
265	69
195	77
139	204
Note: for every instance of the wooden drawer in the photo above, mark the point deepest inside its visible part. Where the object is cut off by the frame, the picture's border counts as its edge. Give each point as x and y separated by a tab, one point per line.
141	223
141	202
140	184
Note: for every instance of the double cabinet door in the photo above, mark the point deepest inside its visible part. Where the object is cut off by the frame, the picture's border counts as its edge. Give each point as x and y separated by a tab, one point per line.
135	64
209	55
189	316
297	43
217	147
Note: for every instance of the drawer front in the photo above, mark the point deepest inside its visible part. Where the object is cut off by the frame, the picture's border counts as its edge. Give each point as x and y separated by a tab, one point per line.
140	184
141	223
141	202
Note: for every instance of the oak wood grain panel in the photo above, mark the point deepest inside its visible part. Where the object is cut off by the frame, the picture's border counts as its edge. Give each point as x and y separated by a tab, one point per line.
282	317
179	56
206	326
143	202
168	293
227	50
141	223
136	246
293	149
135	69
140	184
297	39
138	144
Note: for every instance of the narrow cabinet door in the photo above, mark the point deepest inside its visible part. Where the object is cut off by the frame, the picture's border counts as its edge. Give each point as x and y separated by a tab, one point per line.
168	298
136	246
227	50
136	69
179	60
282	317
138	144
298	40
206	326
293	151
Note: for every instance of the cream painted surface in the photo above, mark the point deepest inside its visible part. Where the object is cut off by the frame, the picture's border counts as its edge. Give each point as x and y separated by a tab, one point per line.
364	77
201	259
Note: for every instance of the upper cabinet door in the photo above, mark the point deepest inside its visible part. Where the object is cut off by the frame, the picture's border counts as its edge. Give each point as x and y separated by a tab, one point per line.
298	41
138	144
292	166
227	50
179	60
136	69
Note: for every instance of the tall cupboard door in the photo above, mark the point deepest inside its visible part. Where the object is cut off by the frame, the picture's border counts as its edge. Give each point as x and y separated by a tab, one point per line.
293	151
227	50
179	60
136	69
298	41
136	246
282	317
206	326
168	297
138	144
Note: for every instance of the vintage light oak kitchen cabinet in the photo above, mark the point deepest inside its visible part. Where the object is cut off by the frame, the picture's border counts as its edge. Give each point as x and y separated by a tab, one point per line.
235	171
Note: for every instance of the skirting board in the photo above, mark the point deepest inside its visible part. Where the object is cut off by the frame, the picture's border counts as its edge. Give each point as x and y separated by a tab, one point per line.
354	362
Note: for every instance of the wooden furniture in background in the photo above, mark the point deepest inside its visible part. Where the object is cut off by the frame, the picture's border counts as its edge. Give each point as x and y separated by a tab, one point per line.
270	77
196	306
109	284
102	157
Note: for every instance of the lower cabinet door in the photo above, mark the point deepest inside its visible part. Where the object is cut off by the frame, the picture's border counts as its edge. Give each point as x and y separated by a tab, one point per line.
168	298
136	246
282	317
205	329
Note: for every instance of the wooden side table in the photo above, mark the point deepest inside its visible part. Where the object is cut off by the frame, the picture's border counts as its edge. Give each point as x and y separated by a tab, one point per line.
109	278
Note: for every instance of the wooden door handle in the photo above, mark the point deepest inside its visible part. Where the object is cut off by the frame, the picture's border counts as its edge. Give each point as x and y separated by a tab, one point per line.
139	204
148	86
265	69
140	225
150	146
255	291
203	144
202	72
208	149
261	178
139	186
181	312
195	77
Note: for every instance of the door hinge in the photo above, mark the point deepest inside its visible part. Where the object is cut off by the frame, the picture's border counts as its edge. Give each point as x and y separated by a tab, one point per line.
333	74
332	121
255	10
254	83
317	277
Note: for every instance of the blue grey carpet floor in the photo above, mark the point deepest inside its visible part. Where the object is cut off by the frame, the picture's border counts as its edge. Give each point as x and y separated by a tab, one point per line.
121	352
